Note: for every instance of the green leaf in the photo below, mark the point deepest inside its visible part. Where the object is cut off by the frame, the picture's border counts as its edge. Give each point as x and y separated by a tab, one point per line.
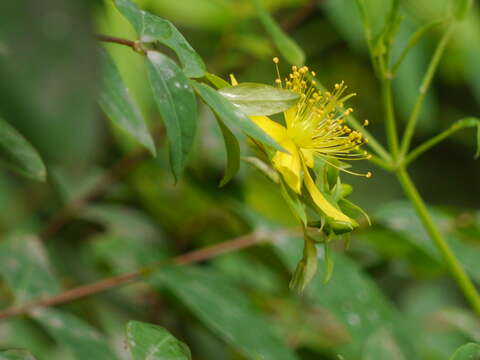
78	336
287	47
259	99
16	355
307	267
294	203
225	310
148	342
412	41
401	217
232	116
18	154
217	81
233	153
382	345
26	268
117	103
461	8
177	105
470	351
354	300
48	86
152	28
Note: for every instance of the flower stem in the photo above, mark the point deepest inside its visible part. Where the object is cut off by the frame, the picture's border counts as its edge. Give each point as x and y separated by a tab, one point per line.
135	45
458	272
459	125
427	79
391	126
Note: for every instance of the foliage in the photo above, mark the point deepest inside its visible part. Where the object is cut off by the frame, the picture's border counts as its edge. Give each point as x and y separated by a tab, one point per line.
129	233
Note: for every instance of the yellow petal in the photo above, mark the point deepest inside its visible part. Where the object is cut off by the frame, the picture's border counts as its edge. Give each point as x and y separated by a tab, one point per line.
277	131
290	115
323	204
233	80
289	165
307	156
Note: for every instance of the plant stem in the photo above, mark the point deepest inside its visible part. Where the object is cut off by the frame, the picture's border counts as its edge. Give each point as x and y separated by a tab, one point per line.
390	124
135	45
427	79
139	274
459	125
454	266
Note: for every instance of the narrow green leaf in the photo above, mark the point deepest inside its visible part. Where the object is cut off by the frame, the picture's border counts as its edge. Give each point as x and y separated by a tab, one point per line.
294	203
412	41
117	103
78	336
152	28
16	355
233	153
381	345
259	99
329	263
177	105
477	154
461	8
217	81
307	267
26	268
470	351
232	116
148	342
355	301
401	217
18	154
226	310
287	47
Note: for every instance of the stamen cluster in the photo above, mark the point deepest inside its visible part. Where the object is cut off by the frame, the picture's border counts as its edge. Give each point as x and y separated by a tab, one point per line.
317	122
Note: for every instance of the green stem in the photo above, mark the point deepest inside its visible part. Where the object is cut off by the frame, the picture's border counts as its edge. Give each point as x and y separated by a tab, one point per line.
459	125
391	126
454	266
427	79
385	165
372	142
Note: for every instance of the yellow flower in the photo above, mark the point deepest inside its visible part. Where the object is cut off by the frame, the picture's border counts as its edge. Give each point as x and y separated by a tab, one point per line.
315	127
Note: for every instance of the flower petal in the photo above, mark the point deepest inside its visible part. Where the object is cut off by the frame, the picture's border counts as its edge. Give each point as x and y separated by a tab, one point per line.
322	203
289	165
233	80
307	156
277	131
290	115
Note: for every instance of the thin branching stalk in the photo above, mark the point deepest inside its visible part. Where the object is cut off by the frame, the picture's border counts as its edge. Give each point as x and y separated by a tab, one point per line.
453	264
427	79
114	282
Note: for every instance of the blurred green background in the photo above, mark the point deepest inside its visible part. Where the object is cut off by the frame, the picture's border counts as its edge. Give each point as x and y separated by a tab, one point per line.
390	296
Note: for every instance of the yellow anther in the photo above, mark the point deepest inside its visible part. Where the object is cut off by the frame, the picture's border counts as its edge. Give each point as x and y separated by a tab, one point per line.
368	175
366	122
276	60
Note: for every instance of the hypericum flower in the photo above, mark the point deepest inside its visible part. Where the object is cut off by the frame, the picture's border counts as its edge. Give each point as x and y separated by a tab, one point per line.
315	127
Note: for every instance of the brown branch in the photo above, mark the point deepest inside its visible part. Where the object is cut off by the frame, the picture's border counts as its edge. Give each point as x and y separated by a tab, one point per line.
120	280
120	169
135	45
